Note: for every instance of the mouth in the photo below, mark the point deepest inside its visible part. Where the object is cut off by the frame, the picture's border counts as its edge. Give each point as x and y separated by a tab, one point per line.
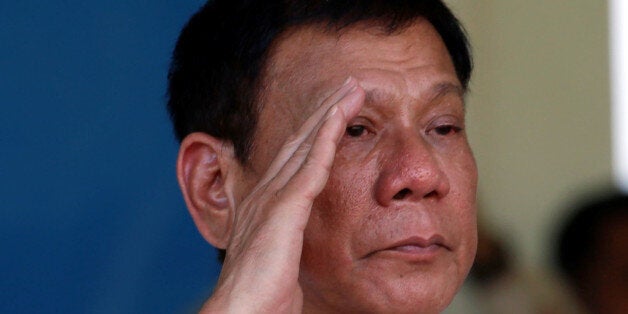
415	249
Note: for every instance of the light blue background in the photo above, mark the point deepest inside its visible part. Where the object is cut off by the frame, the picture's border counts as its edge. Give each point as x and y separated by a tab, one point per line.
92	219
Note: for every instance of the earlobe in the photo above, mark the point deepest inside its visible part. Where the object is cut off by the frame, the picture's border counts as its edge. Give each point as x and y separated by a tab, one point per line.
202	167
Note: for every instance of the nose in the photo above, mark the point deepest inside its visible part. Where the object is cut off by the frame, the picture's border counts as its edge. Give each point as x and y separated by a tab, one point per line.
410	171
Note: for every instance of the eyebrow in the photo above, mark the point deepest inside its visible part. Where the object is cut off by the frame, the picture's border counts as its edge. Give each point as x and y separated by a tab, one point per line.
374	96
435	92
445	88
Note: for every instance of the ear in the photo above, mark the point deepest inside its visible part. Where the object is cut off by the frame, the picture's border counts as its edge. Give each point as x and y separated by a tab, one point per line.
202	169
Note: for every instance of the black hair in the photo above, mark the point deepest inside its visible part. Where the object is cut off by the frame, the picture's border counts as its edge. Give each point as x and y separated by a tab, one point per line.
577	239
217	65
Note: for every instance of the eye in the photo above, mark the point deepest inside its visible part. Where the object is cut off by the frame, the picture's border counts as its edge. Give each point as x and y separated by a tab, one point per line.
446	129
356	130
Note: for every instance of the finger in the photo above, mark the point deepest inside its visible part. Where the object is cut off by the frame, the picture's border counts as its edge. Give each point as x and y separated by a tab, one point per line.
350	103
293	143
271	186
308	179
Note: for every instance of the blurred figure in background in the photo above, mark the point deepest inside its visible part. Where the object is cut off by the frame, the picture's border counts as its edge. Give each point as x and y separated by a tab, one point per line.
592	254
496	285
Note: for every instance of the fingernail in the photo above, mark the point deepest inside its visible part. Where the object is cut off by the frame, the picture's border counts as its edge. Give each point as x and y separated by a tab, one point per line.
351	90
347	81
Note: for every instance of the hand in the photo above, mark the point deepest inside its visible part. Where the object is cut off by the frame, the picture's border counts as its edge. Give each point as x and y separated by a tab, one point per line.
261	270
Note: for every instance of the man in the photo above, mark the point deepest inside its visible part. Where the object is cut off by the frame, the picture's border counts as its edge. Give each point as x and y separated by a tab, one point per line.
323	147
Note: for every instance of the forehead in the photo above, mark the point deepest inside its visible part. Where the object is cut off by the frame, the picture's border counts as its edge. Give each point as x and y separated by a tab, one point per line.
308	63
314	45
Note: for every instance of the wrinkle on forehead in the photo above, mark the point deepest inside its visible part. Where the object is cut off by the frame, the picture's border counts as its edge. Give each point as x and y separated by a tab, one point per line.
377	95
390	96
308	63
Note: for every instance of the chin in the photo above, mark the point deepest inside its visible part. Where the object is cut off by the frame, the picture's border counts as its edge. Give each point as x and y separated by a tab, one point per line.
420	295
395	286
416	292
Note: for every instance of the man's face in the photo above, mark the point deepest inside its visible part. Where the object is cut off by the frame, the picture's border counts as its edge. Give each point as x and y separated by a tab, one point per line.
394	230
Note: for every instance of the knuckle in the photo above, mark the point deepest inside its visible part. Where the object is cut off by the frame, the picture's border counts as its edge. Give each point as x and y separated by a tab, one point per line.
315	165
292	141
304	148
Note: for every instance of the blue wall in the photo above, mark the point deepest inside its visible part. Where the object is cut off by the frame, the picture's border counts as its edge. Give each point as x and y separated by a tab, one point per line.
92	219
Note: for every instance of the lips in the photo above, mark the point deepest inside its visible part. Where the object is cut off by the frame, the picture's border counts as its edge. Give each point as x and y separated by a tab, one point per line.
420	242
415	248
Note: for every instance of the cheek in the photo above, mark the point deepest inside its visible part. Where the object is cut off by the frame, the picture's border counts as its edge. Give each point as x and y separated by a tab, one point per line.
461	216
461	171
339	218
340	212
345	199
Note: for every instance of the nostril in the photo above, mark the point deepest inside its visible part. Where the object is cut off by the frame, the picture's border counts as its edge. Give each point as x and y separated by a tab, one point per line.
402	194
430	194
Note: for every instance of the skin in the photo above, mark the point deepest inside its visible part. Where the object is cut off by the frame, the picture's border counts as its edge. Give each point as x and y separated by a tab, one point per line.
358	197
